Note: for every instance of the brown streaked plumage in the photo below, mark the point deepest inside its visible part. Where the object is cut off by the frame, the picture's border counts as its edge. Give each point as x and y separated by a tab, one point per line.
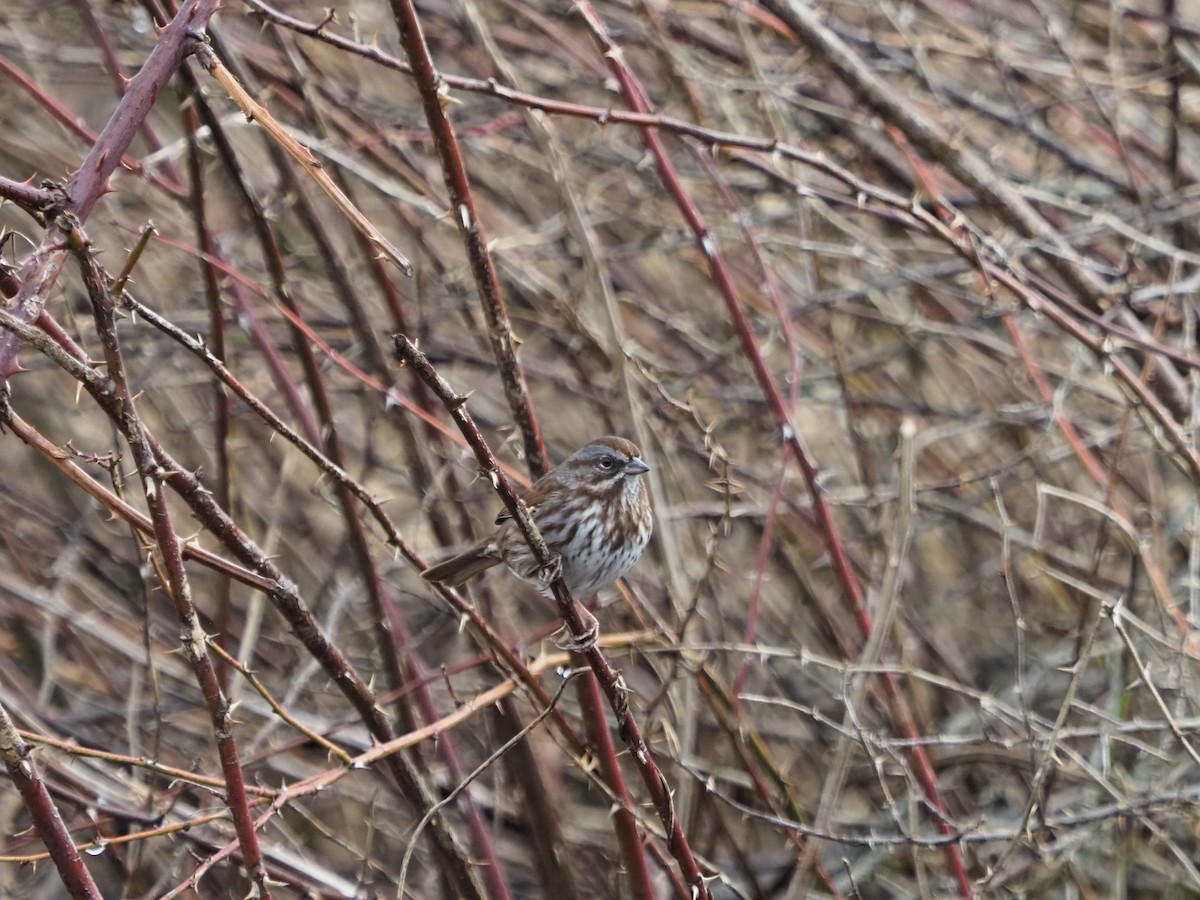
593	511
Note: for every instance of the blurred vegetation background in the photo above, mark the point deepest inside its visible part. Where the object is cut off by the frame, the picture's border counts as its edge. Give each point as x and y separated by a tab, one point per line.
919	617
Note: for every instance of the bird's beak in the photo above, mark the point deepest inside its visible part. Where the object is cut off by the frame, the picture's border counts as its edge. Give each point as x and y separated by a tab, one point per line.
636	467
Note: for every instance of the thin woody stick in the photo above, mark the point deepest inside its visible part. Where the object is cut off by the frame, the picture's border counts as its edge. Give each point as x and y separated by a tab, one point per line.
256	112
582	631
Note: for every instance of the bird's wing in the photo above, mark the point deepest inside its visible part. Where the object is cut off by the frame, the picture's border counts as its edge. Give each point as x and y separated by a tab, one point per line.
537	493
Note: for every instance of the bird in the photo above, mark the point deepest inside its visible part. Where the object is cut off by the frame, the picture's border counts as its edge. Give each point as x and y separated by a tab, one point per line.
593	510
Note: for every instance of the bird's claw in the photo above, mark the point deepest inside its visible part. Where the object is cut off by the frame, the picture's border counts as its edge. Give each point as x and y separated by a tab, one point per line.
549	573
579	643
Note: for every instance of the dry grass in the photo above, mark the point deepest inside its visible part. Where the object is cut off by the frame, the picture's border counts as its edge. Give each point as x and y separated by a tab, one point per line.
993	377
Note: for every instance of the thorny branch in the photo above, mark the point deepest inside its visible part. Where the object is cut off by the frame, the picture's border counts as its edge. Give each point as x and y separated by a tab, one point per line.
757	237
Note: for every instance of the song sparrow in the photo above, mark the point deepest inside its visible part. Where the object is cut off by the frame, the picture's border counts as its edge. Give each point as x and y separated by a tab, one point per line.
593	512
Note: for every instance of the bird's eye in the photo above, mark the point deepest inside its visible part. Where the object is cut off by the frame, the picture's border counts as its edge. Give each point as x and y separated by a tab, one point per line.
607	462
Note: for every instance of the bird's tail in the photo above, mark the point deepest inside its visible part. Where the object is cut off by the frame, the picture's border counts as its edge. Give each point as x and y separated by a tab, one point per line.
465	566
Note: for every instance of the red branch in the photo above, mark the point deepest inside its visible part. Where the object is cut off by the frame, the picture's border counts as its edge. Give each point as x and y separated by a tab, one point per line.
707	241
90	181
